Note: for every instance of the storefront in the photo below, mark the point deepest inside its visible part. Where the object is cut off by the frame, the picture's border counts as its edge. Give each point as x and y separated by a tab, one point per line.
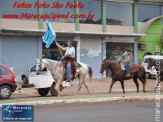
20	48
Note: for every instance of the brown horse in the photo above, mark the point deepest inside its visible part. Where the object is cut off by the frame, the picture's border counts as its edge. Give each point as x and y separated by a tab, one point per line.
119	75
159	68
152	62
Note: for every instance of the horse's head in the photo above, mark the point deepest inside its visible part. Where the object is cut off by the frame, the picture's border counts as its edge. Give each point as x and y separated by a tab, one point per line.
40	66
104	65
151	63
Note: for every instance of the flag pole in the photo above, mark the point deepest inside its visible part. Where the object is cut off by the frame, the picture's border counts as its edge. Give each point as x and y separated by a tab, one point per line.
59	48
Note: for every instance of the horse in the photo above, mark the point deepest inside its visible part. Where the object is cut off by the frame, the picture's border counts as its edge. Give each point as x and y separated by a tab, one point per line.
119	75
152	62
159	69
58	73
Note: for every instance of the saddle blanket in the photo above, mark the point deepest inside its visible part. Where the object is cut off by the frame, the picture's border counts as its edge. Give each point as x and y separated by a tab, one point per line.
133	67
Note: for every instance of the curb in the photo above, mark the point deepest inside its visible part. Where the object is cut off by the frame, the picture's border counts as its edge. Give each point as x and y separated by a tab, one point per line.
89	100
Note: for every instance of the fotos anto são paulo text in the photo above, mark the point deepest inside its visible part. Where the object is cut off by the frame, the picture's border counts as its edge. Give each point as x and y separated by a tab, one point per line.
47	5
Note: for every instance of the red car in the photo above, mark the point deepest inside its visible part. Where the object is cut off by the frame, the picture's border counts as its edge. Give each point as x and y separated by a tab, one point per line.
7	82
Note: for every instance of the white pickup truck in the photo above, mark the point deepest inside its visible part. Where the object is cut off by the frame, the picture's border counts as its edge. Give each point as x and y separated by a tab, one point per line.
150	72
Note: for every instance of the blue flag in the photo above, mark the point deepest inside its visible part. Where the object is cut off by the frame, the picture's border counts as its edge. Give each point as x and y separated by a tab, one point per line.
49	35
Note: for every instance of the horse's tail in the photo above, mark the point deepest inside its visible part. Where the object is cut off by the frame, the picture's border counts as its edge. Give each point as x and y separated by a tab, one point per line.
90	74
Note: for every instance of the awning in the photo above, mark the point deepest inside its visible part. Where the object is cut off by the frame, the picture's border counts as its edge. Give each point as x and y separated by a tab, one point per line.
39	32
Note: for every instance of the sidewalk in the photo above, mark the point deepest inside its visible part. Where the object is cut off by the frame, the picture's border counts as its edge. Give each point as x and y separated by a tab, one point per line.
97	86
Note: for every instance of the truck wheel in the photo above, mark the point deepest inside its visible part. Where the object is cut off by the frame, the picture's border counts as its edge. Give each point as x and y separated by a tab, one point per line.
5	92
53	91
147	75
43	91
24	79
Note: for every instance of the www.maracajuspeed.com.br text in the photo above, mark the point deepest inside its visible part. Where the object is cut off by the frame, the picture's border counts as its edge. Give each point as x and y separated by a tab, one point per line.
47	16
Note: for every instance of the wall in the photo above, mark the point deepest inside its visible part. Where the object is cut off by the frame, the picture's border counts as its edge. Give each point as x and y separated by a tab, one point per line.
91	53
21	52
18	24
153	37
0	50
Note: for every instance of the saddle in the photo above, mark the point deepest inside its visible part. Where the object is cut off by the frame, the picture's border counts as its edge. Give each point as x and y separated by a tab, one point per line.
133	67
74	64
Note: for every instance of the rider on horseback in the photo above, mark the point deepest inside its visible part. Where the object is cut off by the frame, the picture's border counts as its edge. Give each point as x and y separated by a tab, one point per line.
126	60
69	57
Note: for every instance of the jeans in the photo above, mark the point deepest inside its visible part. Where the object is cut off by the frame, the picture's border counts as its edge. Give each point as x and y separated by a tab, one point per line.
127	67
68	70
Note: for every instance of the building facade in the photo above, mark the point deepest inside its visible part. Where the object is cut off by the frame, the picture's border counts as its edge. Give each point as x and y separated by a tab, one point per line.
114	28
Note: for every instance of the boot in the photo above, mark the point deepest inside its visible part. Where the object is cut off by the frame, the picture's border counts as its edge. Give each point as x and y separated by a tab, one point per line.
68	80
128	75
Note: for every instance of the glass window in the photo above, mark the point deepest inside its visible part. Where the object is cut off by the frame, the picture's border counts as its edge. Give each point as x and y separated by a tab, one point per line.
114	50
146	12
6	7
3	71
118	13
162	13
65	10
146	60
53	53
60	11
51	10
94	7
33	69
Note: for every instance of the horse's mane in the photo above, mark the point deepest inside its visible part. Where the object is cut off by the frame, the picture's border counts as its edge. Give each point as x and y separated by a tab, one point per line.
51	62
115	63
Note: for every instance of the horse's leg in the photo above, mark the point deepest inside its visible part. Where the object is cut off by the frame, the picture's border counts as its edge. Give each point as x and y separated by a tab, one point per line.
143	82
57	87
136	83
122	85
84	83
112	83
79	85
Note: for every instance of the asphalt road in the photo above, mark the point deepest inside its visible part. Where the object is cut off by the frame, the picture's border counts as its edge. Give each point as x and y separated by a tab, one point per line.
97	112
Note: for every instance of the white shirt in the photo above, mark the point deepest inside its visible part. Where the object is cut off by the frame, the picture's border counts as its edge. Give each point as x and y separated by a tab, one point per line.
71	51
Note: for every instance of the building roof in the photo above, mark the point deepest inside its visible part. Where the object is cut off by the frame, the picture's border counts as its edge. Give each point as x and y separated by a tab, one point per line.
39	32
148	23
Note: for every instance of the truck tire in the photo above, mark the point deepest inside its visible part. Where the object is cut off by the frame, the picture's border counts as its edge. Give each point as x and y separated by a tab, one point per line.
147	75
5	92
43	91
53	91
24	79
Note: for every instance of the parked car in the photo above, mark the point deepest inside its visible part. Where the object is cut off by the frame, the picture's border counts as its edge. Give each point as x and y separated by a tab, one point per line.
150	72
32	71
7	82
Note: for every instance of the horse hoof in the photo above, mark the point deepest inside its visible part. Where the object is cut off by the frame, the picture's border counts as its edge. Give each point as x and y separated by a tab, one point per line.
60	95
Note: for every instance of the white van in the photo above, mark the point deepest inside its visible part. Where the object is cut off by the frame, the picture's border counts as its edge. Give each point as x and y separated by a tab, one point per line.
150	72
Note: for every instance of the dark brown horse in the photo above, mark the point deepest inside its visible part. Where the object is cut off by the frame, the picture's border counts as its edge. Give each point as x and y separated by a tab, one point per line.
119	75
152	62
159	68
